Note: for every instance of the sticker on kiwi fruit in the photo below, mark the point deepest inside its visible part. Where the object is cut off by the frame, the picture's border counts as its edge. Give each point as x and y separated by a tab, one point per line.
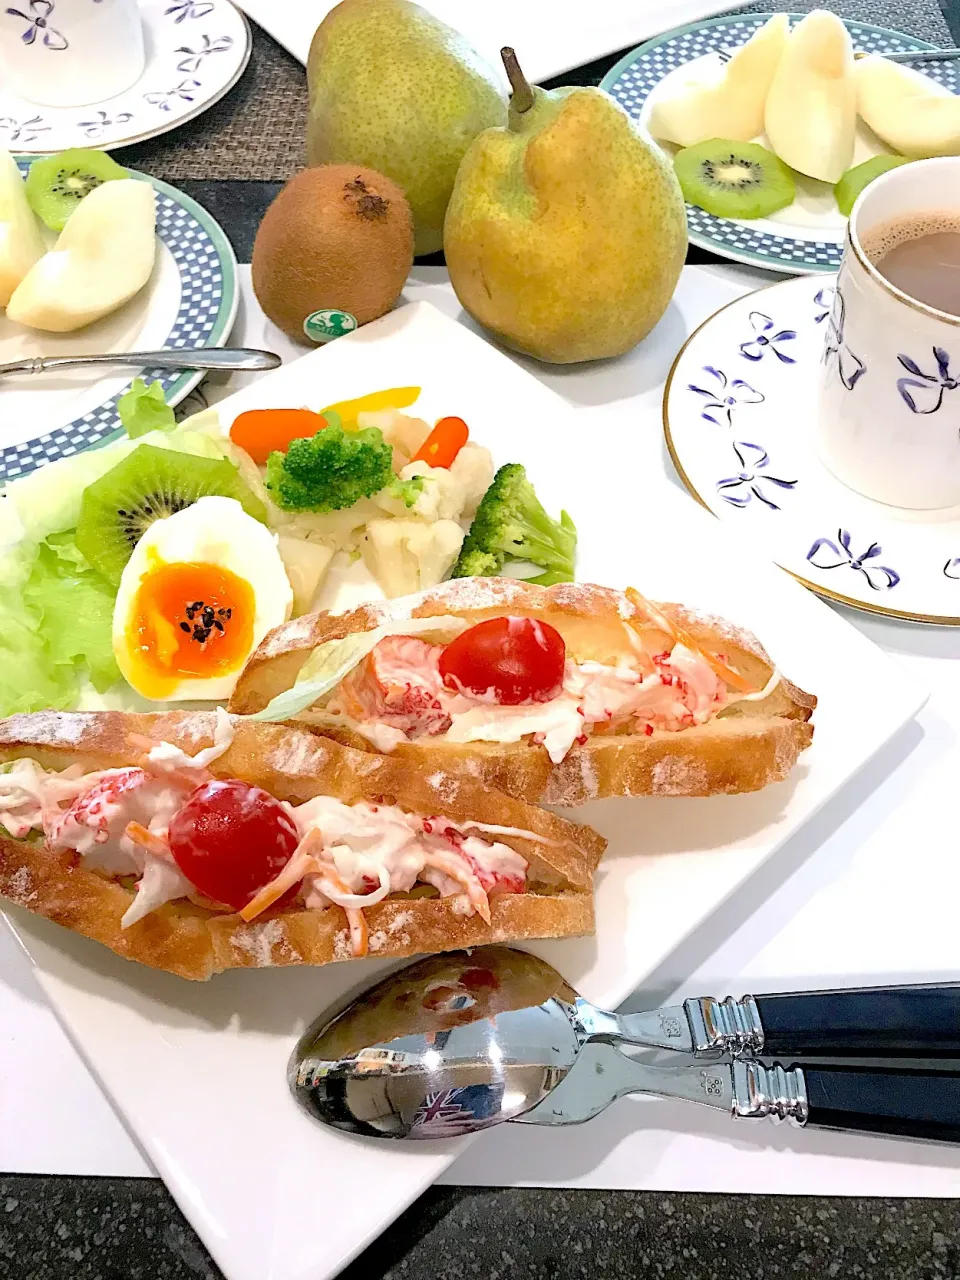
324	326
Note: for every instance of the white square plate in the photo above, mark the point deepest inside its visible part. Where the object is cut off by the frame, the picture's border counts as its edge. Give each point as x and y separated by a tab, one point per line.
550	36
197	1071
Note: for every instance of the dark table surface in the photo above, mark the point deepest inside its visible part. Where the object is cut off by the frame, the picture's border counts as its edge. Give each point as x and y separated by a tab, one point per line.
68	1228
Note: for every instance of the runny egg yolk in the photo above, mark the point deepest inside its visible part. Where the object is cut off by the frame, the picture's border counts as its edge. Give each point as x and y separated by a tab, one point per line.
189	621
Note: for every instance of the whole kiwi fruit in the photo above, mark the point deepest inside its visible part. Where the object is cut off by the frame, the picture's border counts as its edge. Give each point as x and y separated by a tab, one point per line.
337	237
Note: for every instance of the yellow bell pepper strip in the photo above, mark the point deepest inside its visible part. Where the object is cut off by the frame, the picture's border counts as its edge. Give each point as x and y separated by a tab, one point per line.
373	402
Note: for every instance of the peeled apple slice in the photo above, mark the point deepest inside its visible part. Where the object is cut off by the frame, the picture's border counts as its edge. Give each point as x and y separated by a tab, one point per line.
911	113
104	256
811	113
731	105
21	244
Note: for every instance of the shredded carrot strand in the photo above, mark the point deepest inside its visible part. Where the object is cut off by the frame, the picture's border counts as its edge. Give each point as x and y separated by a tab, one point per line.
147	840
359	934
300	865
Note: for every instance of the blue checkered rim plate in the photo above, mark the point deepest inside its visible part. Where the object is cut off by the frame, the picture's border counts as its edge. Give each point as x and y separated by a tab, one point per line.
634	78
208	308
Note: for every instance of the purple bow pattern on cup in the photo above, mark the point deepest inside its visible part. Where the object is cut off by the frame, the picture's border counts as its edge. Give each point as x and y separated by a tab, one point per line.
924	392
38	25
765	340
189	9
827	554
741	489
723	398
850	368
823	300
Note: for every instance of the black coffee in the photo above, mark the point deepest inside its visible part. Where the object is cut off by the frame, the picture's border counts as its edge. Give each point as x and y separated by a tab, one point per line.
920	255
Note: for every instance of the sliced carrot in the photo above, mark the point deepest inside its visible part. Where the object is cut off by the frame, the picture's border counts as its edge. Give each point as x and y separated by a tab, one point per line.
373	402
443	443
681	636
263	431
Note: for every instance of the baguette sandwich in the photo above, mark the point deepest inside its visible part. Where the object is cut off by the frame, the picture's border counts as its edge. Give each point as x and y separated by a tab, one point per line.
554	695
195	843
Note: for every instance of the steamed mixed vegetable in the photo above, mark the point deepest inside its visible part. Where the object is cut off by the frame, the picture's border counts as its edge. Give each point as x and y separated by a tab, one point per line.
360	484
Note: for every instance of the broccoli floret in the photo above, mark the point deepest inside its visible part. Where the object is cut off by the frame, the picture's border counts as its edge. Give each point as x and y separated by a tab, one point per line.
510	524
330	471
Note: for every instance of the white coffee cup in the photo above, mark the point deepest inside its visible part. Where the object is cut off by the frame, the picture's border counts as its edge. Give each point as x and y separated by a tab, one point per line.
889	409
69	53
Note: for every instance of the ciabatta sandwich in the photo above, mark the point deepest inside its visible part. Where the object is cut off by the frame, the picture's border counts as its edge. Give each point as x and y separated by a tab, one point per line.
195	843
554	695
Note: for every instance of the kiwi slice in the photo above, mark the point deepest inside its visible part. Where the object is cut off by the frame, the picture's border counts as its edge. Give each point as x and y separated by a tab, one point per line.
147	485
734	179
861	175
56	184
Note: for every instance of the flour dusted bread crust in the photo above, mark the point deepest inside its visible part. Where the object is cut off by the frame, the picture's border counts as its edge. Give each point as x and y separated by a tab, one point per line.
294	766
745	748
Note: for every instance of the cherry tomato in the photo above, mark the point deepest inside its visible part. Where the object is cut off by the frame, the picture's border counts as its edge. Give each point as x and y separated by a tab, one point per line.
510	660
230	839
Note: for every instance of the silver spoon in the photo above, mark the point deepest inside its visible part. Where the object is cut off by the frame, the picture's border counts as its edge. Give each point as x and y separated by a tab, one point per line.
464	1041
236	359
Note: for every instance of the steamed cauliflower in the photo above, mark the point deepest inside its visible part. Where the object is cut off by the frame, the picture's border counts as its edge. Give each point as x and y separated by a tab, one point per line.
473	469
408	555
441	497
341	530
404	433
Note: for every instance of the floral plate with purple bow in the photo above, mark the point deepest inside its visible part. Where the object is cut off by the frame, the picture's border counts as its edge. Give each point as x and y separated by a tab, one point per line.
196	50
738	409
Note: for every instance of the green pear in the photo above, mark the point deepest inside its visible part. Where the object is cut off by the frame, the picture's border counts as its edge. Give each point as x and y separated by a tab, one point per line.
394	89
566	231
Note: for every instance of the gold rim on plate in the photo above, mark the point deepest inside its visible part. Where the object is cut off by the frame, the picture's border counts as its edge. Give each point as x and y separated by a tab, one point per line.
938	620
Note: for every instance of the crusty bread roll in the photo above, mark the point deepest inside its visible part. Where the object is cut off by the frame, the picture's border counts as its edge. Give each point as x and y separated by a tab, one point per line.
294	766
744	748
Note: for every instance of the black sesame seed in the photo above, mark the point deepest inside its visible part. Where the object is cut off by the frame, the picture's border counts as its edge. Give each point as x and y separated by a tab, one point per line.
218	624
185	626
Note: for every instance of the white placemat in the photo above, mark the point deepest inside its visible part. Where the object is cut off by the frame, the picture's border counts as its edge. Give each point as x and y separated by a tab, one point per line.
864	893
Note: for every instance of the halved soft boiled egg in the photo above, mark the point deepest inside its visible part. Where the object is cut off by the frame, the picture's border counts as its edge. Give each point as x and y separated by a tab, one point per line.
201	590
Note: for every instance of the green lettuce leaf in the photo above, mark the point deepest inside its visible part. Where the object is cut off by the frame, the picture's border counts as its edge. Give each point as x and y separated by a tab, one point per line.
74	606
143	408
55	628
333	660
28	681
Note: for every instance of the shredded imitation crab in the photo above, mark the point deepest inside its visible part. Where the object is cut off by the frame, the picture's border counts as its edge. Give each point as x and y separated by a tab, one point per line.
679	635
398	692
349	856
